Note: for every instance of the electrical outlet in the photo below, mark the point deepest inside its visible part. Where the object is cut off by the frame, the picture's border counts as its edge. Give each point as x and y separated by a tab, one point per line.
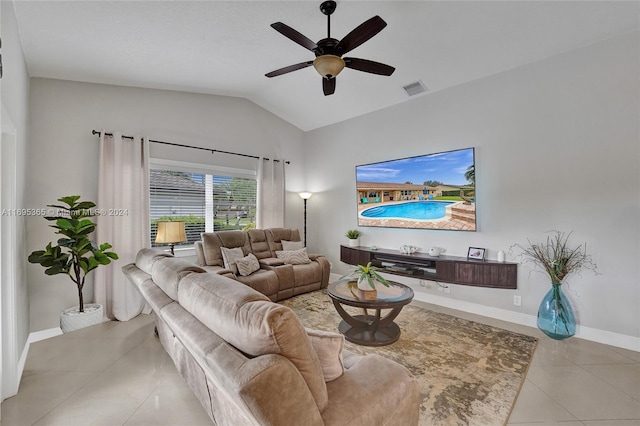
517	300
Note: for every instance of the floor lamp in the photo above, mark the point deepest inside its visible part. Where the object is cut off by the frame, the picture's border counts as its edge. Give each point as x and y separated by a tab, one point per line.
305	196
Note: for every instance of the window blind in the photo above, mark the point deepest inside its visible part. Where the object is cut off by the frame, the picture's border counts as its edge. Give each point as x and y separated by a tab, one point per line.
206	202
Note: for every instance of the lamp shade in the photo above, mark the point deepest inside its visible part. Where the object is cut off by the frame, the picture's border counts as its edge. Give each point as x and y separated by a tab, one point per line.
171	232
305	195
328	66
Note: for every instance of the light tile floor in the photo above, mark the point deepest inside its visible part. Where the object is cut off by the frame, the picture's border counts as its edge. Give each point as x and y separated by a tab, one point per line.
117	373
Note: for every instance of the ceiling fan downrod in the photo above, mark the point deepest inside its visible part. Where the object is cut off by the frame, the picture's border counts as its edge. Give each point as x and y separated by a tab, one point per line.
327	8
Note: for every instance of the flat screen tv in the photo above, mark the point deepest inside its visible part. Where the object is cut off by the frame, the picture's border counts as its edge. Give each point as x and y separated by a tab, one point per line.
432	191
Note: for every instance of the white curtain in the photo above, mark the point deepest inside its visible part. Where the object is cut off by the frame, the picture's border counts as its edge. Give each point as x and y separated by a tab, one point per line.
271	194
123	200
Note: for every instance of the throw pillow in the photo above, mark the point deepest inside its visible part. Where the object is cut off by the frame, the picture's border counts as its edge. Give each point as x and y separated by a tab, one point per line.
230	256
328	346
248	265
292	245
294	257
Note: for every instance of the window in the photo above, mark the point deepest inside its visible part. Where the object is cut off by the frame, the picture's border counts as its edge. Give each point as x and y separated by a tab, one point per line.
206	201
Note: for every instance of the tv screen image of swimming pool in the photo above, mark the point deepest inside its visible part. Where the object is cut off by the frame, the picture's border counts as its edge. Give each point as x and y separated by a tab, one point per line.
417	210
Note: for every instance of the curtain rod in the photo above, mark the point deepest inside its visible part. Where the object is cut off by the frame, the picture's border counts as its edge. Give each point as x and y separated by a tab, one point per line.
213	151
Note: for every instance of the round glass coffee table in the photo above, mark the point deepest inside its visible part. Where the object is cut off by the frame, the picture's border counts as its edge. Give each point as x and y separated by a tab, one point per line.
369	329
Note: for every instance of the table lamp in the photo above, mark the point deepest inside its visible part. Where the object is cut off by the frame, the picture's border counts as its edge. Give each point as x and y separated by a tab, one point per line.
171	233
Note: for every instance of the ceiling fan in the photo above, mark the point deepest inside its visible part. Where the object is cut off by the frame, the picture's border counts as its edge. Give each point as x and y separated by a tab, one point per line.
329	61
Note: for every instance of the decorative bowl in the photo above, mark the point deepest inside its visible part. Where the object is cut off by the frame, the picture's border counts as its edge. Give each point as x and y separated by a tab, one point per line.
408	249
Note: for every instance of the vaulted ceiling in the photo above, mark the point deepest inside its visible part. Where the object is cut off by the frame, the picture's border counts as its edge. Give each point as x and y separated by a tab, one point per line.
226	47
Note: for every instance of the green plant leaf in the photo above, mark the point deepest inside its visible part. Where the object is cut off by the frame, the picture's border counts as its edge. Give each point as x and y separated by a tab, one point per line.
55	269
85	205
66	224
36	256
85	226
66	242
70	200
105	246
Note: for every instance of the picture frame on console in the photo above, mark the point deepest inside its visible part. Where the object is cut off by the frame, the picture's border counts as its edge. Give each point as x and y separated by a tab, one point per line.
476	253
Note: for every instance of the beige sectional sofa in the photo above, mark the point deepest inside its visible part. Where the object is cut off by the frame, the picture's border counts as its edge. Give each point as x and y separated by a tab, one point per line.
250	361
276	278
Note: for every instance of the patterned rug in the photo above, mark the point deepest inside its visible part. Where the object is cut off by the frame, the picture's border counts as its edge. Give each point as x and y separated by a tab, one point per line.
469	373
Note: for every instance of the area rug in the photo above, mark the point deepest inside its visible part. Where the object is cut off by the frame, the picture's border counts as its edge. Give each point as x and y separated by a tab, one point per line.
469	373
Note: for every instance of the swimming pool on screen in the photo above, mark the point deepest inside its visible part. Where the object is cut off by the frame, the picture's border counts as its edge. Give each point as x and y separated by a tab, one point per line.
415	210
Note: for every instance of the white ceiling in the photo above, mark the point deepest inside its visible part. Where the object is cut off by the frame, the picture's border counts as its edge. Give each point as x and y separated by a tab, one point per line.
226	47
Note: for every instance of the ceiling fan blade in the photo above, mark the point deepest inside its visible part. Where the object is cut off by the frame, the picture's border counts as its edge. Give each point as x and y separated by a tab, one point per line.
290	68
368	66
328	86
294	35
360	34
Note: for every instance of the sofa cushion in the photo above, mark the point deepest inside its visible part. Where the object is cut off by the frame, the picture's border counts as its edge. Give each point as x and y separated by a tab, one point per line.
230	256
252	324
155	297
167	272
294	257
276	235
307	274
328	347
247	265
213	241
147	257
259	244
291	245
264	281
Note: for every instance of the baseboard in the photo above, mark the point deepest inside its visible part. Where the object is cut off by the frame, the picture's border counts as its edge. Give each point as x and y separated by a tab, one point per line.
36	336
33	337
587	333
582	332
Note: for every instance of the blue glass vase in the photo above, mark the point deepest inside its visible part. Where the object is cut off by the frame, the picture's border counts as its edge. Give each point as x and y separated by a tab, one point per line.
555	316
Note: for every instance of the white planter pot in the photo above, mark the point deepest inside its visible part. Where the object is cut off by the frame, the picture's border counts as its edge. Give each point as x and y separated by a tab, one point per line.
366	292
71	319
354	243
364	285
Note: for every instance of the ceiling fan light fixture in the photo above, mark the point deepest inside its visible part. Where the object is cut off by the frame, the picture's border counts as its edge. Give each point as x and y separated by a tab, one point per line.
328	66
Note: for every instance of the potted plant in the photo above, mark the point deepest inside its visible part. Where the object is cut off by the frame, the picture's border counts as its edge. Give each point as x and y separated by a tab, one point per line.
368	277
74	255
558	260
354	237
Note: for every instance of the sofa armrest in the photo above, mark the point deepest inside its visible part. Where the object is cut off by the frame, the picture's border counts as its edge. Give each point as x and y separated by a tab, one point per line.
199	253
393	398
326	269
219	270
270	262
314	256
269	386
227	273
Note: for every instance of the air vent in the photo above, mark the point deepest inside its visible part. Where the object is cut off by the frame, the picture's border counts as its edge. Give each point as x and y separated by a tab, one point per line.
415	88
